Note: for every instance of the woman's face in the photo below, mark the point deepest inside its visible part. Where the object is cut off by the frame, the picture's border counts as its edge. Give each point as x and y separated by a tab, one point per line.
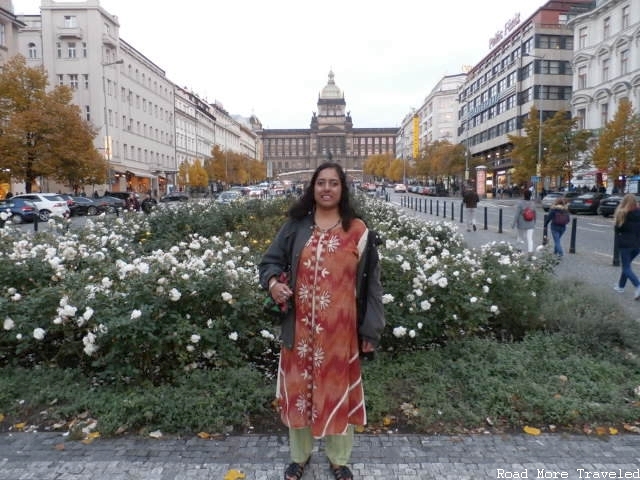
327	190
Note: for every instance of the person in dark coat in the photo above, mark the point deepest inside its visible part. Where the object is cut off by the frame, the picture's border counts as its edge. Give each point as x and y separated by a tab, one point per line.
470	199
558	217
627	234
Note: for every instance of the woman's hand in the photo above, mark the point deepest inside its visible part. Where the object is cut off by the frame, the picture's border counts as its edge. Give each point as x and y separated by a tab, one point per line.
367	346
281	292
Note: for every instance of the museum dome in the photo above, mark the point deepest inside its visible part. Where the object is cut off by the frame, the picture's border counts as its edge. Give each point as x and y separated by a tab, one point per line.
330	90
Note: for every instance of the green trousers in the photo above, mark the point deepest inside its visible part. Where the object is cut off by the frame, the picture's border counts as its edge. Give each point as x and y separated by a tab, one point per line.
337	447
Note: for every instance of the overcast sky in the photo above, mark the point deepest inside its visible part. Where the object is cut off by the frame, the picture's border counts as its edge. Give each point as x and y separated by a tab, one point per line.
271	58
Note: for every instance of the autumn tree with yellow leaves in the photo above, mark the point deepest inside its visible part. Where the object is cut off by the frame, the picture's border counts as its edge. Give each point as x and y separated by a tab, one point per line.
42	134
618	149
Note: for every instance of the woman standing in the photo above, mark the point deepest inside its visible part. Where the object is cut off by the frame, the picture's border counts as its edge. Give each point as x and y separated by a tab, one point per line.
319	387
524	223
627	230
558	217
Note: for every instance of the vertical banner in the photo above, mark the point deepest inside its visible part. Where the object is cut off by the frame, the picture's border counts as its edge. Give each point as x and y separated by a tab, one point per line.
481	179
416	136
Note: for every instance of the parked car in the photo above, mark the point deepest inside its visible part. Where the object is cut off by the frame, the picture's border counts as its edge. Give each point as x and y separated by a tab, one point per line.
111	204
21	210
400	188
174	197
550	198
228	197
87	206
608	205
586	203
48	204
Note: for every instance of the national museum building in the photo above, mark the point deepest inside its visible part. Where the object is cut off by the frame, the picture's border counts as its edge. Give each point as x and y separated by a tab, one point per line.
294	153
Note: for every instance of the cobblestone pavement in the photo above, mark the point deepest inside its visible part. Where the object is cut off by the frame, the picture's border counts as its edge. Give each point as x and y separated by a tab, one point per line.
47	456
50	456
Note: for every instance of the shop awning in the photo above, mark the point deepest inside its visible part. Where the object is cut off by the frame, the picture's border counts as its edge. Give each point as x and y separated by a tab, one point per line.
140	173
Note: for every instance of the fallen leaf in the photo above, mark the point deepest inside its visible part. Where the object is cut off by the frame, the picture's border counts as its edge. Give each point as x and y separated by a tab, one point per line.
87	441
532	430
602	430
631	428
20	426
234	475
204	435
359	428
93	435
613	431
60	447
387	420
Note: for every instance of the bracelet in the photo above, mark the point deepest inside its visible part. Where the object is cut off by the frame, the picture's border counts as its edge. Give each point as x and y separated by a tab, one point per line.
272	282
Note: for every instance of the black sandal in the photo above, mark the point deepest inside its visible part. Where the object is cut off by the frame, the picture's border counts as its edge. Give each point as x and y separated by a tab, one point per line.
295	471
341	472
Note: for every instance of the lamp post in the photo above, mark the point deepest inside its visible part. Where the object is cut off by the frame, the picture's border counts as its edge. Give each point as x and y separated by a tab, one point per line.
107	139
539	158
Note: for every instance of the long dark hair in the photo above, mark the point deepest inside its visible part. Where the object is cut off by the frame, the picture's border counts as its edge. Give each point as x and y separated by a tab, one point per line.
307	204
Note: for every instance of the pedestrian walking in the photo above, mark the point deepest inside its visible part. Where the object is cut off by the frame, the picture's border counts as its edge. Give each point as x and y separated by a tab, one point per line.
627	234
558	217
525	221
470	199
321	249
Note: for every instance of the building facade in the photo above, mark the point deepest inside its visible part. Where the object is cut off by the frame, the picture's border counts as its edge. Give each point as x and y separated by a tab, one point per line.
530	64
295	153
439	112
606	61
9	28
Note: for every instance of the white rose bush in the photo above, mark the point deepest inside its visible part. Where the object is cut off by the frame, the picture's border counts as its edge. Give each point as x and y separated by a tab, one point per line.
148	297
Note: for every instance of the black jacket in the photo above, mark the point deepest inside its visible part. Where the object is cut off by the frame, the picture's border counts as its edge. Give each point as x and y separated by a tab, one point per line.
284	253
628	234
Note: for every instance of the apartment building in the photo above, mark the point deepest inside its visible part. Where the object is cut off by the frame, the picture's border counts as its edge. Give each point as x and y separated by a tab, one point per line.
9	28
529	64
606	61
295	153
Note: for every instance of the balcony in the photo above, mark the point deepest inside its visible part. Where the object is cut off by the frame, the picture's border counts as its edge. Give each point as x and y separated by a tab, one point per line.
109	41
70	32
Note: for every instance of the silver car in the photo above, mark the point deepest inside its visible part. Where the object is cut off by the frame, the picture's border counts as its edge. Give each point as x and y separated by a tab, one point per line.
550	198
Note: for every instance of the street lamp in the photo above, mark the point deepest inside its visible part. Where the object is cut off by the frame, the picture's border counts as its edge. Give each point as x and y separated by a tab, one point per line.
107	139
539	159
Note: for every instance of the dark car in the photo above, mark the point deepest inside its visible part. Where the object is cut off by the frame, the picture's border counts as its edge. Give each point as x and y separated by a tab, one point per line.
586	203
21	210
87	206
175	197
608	205
111	204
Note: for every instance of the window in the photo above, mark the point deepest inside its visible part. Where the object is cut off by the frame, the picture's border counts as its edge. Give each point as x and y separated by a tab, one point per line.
625	16
624	62
73	81
87	113
59	49
606	27
84	49
605	69
70	21
582	37
33	52
582	115
71	50
60	80
604	114
3	34
582	77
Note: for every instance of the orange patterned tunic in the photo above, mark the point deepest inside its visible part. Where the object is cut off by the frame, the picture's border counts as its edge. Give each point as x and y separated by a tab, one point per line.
319	382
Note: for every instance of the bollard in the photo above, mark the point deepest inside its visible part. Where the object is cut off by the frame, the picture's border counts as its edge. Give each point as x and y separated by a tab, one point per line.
461	212
35	221
545	232
420	205
444	210
486	218
430	206
437	208
574	228
616	250
499	220
453	210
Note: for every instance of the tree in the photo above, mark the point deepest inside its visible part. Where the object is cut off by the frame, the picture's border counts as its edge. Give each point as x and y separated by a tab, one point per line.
618	148
525	148
441	159
42	133
378	165
562	144
198	178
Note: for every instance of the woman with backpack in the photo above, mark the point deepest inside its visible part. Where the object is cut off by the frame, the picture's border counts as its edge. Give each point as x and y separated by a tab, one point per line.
525	221
558	217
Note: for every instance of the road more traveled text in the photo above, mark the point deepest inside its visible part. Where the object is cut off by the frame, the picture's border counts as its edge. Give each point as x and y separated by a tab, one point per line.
580	472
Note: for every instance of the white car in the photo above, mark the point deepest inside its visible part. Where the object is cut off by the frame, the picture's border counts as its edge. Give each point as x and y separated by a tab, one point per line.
400	188
229	196
49	204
